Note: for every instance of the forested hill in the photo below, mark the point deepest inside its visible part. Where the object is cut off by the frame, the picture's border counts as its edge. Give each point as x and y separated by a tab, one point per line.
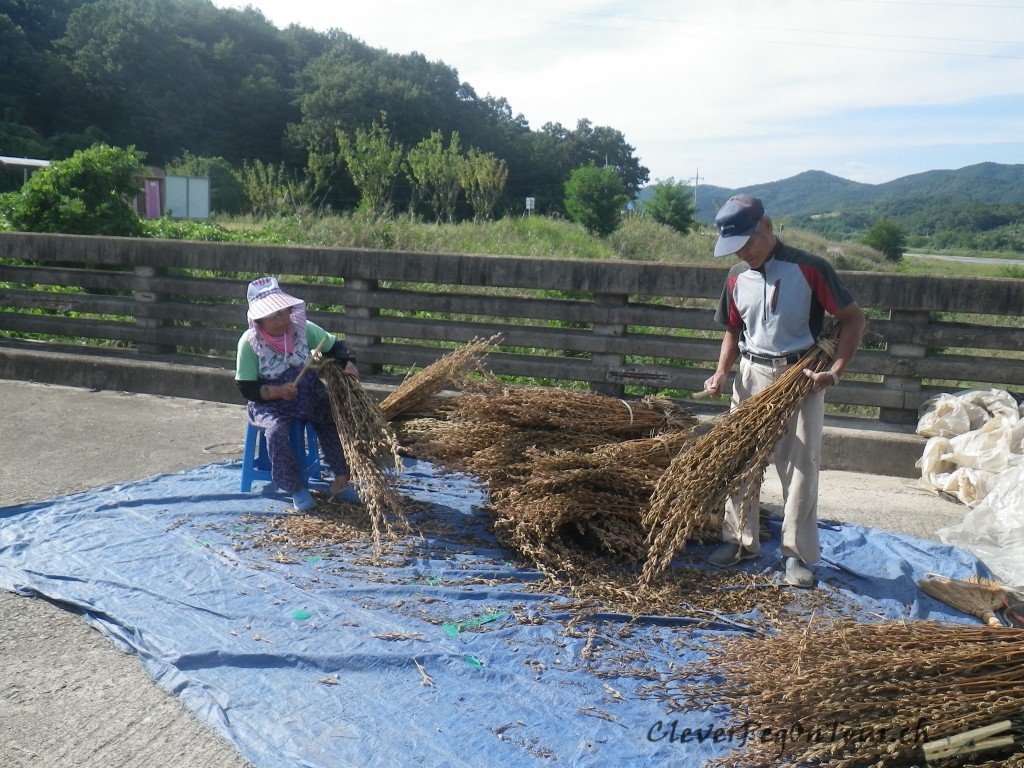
174	76
949	207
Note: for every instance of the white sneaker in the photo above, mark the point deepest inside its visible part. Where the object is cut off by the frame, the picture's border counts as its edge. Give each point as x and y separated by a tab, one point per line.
798	574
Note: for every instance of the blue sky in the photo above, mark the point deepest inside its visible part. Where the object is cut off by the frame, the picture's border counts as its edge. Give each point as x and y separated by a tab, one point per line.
735	91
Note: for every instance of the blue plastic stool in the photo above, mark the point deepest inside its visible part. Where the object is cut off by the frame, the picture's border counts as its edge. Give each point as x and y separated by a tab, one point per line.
256	459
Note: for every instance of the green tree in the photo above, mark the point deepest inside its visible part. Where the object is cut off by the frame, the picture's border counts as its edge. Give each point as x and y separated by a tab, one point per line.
90	193
556	151
888	238
594	197
272	190
483	179
136	67
374	163
671	204
436	173
179	75
602	145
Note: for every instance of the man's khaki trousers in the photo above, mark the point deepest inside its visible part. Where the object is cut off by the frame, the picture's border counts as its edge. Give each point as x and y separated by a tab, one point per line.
796	457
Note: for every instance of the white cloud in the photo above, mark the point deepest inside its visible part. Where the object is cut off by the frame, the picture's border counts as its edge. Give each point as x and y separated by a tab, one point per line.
747	92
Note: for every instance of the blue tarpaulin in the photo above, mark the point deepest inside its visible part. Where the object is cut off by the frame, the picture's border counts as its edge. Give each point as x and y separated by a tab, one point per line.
436	654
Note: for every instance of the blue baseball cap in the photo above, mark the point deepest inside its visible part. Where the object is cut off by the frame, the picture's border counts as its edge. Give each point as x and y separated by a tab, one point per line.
736	222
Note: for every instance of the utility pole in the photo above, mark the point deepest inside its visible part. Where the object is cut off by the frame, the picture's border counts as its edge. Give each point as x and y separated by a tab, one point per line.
696	180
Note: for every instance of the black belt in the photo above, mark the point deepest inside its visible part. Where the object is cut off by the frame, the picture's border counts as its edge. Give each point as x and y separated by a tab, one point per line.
787	359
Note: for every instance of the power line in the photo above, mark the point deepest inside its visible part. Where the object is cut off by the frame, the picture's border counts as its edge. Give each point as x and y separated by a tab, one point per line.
639	24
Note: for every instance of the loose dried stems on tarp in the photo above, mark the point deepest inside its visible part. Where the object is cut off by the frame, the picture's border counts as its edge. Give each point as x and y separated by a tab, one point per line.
371	450
846	694
746	601
331	526
690	496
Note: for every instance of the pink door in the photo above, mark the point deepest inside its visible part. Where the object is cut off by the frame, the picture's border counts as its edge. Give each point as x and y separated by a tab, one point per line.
154	205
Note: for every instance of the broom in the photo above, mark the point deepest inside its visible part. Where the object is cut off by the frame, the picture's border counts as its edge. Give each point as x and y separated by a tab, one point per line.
975	596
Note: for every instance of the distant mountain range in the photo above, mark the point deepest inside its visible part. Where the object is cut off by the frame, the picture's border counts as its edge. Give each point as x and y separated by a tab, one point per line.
814	194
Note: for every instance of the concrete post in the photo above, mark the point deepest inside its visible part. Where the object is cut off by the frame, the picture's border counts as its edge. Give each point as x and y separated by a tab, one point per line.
359	342
145	319
904	383
603	362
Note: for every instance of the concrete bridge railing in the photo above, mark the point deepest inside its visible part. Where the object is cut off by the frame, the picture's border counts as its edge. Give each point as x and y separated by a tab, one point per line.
92	306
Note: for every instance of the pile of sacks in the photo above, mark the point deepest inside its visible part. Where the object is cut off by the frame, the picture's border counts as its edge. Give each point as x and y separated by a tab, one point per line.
974	452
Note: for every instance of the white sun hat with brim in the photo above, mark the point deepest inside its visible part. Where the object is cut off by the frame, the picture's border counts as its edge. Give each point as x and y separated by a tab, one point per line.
266	297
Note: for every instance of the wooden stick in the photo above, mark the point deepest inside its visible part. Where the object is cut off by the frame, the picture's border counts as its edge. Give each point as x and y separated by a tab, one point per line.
968	741
705	393
309	362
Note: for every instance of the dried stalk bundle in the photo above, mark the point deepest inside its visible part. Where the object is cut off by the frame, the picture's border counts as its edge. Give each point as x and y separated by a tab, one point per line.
570	509
690	496
655	451
496	453
448	371
550	408
559	528
975	596
512	458
847	694
370	447
447	443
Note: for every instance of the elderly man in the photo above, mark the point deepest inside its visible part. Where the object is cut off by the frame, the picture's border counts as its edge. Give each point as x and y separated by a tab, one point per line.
773	308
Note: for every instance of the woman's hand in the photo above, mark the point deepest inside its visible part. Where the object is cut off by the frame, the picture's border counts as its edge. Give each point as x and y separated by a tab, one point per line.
351	370
283	392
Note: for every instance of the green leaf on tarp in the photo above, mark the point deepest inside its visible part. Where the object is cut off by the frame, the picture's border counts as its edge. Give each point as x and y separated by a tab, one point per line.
473	661
453	628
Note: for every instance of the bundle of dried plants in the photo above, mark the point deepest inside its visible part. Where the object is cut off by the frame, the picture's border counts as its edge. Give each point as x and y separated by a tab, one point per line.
689	499
552	408
845	694
370	447
568	472
657	451
557	530
447	443
450	370
513	458
570	506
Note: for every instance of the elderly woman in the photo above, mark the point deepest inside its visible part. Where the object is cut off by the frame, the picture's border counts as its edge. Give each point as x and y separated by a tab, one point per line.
271	353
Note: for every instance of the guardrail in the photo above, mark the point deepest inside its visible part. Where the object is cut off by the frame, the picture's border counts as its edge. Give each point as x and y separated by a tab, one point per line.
617	327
